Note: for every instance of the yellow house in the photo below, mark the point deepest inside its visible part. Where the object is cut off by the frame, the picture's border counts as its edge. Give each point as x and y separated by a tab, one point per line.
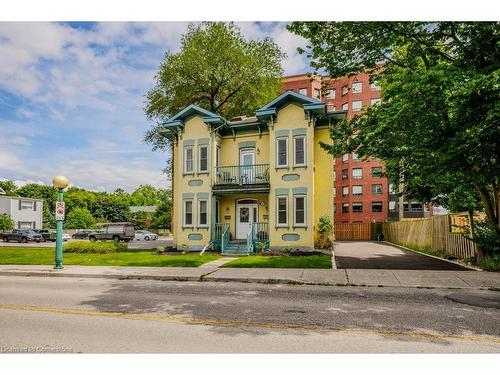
251	183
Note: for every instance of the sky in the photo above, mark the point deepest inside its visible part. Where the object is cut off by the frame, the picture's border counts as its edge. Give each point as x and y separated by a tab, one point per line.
72	98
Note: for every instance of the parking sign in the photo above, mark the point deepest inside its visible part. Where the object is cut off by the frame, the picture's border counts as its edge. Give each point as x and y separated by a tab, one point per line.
60	210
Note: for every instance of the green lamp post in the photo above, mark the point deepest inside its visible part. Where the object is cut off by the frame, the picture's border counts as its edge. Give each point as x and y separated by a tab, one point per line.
60	183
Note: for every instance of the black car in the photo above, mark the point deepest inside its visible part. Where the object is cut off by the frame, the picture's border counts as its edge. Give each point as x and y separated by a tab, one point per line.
46	234
81	235
22	235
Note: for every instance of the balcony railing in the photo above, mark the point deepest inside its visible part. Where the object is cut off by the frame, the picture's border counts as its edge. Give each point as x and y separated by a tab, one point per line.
242	174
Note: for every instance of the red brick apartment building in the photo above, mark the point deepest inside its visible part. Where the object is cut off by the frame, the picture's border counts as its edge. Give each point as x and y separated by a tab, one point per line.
359	195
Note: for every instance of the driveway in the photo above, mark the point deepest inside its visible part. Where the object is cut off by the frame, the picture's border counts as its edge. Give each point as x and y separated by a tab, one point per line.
380	255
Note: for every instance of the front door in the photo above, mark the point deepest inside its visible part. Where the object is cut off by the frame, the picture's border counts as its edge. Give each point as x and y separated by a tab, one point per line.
245	215
247	166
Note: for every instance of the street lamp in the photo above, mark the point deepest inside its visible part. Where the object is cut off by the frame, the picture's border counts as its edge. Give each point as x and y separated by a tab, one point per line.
60	183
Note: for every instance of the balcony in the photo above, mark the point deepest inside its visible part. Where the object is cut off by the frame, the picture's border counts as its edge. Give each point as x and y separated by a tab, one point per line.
248	178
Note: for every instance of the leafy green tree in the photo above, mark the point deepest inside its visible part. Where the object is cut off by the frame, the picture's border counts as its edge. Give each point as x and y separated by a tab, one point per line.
6	223
437	126
9	187
79	218
145	195
216	69
162	217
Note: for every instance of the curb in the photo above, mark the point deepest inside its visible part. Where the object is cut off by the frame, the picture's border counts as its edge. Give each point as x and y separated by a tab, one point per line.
433	256
203	278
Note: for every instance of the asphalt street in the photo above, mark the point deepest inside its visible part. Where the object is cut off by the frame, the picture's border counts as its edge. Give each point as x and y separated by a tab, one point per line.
103	315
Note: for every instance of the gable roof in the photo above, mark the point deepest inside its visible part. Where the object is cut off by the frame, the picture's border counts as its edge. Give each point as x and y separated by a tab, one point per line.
287	97
191	110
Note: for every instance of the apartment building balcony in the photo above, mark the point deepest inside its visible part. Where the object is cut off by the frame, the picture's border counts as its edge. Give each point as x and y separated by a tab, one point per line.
236	179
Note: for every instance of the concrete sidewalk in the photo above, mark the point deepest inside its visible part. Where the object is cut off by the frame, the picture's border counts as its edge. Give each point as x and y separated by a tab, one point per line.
351	277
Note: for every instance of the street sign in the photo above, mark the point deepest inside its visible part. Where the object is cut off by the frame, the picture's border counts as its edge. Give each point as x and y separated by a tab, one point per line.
60	210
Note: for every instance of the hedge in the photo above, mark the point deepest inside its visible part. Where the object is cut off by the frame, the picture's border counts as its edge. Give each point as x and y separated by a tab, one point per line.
94	247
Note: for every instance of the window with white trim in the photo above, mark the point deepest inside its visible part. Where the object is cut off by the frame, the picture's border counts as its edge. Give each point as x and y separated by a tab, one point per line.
377	206
188	160
345	191
357	105
282	152
357	87
357	173
345	158
317	93
299	151
357	190
355	156
303	91
27	205
282	211
202	213
188	213
203	155
377	189
299	216
331	93
374	86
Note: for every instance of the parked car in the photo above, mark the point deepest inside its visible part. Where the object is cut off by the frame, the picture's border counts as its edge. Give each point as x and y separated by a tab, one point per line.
66	237
22	235
81	235
114	231
47	235
145	235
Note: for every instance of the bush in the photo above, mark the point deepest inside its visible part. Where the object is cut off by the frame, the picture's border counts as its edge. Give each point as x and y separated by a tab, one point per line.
6	222
85	247
487	237
325	227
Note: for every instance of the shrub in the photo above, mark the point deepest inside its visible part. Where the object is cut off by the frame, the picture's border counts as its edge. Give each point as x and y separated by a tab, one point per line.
6	223
85	247
487	237
325	227
490	263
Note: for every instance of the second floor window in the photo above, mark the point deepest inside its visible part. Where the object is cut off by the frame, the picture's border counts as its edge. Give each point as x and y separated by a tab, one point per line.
377	206
303	91
357	207
282	152
357	173
203	159
317	93
27	205
345	90
345	158
188	160
299	151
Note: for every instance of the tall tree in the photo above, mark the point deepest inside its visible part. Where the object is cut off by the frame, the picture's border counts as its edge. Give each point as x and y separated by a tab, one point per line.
217	69
79	218
9	187
437	125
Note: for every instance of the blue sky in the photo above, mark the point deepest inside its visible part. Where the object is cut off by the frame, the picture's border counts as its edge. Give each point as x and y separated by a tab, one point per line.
72	98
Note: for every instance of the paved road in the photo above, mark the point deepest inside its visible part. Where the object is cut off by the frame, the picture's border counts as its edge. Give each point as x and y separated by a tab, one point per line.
97	315
377	255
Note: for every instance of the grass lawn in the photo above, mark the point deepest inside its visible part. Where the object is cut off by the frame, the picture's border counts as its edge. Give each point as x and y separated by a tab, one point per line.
138	258
282	261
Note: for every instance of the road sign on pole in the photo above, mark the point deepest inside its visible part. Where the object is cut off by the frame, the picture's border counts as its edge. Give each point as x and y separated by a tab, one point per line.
60	208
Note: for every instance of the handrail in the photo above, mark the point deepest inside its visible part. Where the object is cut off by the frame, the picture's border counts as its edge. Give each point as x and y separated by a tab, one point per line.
250	240
225	238
242	174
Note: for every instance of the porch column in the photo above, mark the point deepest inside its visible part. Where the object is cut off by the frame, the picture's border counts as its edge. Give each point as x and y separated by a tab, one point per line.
213	217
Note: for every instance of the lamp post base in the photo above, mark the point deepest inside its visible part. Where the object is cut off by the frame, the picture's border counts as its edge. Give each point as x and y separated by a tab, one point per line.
58	266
